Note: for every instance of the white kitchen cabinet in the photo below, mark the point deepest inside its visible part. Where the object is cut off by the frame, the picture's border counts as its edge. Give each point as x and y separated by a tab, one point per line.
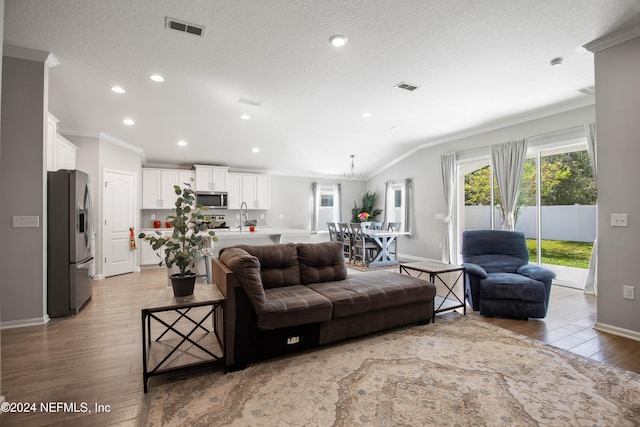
64	153
52	131
234	190
157	187
147	255
185	176
250	188
263	192
61	153
211	178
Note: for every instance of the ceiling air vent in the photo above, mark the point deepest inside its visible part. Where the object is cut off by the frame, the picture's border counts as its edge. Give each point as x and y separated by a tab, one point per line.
248	101
589	90
184	27
406	86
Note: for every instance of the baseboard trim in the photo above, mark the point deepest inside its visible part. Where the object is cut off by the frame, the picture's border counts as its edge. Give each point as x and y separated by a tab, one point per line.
411	258
621	332
25	322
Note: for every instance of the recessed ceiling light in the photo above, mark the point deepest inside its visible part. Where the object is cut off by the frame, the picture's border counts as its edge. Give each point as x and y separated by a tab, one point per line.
182	143
338	41
117	89
366	115
255	150
128	122
245	117
156	77
556	61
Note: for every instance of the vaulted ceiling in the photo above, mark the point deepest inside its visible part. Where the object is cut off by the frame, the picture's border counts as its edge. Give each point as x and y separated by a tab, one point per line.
474	63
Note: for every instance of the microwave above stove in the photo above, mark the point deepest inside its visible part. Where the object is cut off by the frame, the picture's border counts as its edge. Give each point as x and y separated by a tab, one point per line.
216	200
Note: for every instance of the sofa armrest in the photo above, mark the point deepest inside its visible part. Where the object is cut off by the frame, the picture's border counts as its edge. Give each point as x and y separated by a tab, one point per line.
227	282
475	270
537	273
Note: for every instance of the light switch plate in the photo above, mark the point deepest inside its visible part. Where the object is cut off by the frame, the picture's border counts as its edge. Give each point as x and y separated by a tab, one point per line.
619	220
628	292
26	221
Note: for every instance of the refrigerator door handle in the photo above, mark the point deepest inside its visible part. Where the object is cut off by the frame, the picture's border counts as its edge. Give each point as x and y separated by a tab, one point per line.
88	218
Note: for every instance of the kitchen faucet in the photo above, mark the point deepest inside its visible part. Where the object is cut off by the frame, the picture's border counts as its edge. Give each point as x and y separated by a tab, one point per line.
243	216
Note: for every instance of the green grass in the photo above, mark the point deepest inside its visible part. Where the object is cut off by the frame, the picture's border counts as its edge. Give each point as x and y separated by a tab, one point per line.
561	252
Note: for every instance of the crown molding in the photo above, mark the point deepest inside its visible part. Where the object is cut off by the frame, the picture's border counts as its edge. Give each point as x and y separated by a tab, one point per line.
513	120
30	55
613	39
103	136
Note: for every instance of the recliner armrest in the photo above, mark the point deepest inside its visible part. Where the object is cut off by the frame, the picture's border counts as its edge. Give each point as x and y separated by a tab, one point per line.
536	272
475	270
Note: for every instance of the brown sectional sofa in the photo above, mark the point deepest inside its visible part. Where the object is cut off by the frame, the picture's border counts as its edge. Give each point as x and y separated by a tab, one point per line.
288	297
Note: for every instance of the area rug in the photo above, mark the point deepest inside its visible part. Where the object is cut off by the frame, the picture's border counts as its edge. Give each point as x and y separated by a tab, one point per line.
360	267
456	371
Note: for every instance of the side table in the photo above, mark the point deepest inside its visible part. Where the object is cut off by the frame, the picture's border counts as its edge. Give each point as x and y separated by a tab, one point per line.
174	334
435	269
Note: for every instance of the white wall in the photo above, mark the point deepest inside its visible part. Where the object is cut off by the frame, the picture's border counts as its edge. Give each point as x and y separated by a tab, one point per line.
291	201
618	152
425	170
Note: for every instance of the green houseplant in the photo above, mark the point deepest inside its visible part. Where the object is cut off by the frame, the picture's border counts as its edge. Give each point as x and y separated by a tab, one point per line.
366	212
186	242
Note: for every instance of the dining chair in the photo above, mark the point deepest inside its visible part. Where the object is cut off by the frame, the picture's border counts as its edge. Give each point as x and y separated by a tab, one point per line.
333	231
363	249
394	226
375	225
345	236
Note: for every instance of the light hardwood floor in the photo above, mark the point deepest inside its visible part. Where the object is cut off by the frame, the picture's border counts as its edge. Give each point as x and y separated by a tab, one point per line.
96	356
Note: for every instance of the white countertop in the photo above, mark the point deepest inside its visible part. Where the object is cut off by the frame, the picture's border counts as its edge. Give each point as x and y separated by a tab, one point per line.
235	233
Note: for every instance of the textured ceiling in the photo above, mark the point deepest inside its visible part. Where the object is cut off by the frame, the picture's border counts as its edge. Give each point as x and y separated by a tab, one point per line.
475	62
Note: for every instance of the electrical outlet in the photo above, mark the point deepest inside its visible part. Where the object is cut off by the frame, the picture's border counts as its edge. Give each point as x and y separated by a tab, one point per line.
619	220
26	221
628	292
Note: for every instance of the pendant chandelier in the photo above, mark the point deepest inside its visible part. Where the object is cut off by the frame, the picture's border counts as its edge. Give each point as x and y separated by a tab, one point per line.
351	174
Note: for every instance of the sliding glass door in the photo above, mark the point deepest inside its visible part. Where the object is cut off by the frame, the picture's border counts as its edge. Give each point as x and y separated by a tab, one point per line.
556	207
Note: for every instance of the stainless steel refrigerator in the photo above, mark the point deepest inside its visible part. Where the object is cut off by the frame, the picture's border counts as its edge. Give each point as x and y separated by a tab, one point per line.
69	257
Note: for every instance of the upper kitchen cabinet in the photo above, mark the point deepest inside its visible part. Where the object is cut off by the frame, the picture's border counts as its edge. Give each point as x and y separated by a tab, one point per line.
157	187
61	154
64	153
250	188
211	178
234	190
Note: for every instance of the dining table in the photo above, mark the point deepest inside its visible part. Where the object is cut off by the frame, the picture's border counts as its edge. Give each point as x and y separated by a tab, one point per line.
384	239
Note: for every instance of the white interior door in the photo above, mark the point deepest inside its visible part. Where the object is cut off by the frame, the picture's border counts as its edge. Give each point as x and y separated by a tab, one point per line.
119	215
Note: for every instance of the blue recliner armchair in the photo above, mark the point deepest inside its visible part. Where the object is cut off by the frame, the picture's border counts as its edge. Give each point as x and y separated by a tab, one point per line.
500	280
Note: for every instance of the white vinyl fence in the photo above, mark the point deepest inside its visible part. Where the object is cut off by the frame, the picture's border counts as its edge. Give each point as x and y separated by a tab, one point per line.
575	223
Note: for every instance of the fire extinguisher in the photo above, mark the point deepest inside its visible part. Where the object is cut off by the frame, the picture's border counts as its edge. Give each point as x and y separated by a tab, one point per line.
132	240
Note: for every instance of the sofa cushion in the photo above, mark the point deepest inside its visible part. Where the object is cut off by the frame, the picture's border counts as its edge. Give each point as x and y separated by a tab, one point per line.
321	262
512	287
291	306
279	264
246	267
376	290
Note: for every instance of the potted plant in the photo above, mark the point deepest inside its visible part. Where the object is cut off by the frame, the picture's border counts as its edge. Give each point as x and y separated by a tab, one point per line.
366	212
185	244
